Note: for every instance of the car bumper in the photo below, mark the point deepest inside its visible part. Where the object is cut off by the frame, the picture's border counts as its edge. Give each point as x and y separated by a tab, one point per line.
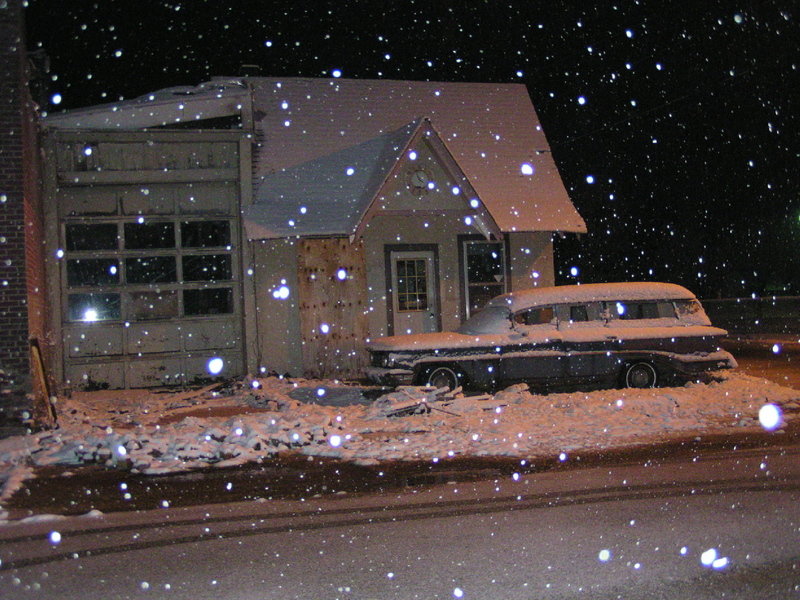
711	362
393	377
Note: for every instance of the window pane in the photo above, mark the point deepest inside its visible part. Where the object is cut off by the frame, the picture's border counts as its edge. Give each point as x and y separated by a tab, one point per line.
205	234
688	308
154	305
144	236
578	313
536	316
151	269
485	273
479	295
92	271
92	237
215	301
649	310
93	307
637	310
485	262
412	284
207	267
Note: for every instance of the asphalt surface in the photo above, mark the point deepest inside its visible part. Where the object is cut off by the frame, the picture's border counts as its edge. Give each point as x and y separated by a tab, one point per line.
707	525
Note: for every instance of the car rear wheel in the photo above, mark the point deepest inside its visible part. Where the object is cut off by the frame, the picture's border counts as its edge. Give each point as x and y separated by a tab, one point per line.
640	375
440	377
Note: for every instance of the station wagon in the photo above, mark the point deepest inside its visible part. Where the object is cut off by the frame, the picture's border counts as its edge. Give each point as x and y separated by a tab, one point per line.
595	335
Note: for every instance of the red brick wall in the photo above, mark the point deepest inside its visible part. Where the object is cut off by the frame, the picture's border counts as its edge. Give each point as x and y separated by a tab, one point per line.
19	204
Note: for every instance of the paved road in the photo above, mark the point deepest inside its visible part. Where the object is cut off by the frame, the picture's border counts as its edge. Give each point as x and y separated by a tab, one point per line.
782	367
639	530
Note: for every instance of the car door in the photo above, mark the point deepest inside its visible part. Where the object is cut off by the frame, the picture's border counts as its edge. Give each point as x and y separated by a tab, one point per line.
590	347
534	351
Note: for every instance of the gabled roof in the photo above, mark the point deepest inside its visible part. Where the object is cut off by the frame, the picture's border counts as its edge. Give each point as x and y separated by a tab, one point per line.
328	195
338	194
490	130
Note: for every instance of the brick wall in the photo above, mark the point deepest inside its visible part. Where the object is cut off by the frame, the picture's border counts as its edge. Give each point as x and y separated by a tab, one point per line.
20	214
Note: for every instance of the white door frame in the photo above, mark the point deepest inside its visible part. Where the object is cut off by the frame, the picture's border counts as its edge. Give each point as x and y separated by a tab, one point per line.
427	318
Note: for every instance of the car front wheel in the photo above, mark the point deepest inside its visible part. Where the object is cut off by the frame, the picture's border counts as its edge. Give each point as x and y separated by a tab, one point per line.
440	377
640	375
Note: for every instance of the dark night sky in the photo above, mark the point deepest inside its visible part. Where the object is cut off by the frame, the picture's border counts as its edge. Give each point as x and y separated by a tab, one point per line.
685	117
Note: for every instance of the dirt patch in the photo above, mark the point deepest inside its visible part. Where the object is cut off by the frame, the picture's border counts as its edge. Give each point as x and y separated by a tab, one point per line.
206	412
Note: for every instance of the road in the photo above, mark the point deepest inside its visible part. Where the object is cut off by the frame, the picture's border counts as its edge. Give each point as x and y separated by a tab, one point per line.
782	367
636	530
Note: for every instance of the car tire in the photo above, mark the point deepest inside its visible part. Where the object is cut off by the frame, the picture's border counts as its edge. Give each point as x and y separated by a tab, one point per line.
640	375
440	377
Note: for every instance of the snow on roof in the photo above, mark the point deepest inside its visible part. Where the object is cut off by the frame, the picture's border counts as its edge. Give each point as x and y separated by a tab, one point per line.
592	292
492	130
220	97
327	195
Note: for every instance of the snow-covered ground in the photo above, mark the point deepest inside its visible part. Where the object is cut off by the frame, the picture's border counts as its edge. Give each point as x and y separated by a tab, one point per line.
250	421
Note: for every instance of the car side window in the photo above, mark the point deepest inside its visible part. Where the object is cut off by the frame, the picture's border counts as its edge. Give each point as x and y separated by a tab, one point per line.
542	315
578	313
628	311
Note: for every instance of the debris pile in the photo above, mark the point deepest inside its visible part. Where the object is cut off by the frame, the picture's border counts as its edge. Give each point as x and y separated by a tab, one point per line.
157	433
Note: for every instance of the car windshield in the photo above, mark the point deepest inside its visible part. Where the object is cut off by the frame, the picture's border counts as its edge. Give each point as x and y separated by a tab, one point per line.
494	319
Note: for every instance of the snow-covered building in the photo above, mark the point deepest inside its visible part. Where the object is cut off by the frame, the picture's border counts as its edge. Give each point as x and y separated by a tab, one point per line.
277	223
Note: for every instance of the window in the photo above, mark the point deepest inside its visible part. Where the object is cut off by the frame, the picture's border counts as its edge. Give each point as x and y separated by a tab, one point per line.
642	310
102	236
207	267
93	307
147	236
92	271
689	308
208	301
484	272
578	313
205	234
154	305
412	284
153	268
536	316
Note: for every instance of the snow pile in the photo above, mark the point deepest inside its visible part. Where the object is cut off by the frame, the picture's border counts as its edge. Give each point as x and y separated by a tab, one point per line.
248	423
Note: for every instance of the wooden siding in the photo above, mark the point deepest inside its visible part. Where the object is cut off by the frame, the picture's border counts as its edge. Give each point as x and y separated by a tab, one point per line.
340	304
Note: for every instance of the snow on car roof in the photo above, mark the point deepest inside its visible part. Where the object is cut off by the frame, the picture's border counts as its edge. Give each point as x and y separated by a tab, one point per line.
592	292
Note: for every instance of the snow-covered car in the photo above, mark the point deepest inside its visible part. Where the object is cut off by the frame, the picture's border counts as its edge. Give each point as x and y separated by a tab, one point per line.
610	334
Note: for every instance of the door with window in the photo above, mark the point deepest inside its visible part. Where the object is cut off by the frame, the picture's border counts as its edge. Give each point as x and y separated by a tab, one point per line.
414	297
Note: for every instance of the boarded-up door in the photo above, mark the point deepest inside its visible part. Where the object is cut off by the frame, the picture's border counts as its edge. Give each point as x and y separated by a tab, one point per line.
333	298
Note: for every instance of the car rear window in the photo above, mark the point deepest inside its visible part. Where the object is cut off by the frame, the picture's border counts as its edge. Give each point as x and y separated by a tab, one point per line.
492	319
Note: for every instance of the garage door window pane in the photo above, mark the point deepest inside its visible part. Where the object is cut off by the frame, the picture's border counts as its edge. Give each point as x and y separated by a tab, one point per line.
93	307
145	236
215	301
205	234
154	305
151	269
207	267
92	271
102	236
